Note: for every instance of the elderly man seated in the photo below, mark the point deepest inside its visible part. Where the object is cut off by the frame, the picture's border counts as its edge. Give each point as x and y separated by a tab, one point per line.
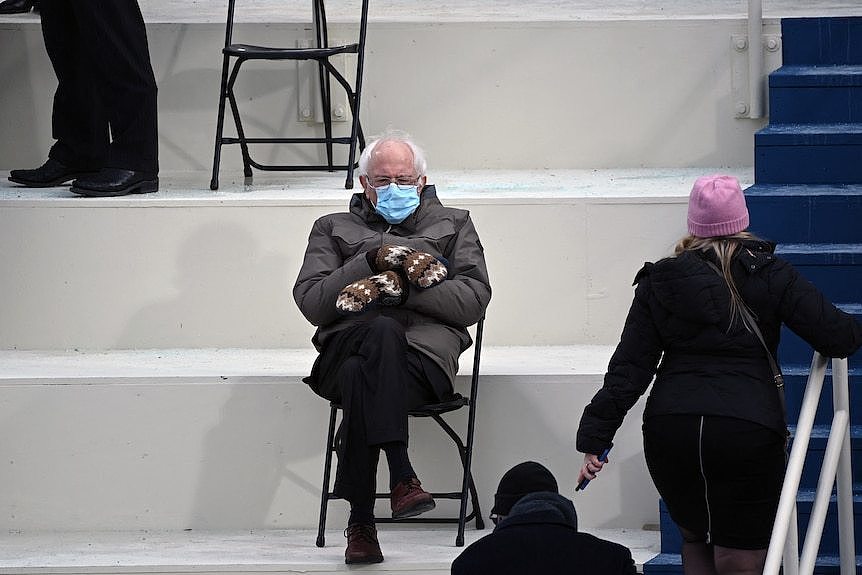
391	285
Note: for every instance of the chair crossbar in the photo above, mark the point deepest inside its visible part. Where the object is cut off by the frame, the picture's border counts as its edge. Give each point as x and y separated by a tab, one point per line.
298	167
228	141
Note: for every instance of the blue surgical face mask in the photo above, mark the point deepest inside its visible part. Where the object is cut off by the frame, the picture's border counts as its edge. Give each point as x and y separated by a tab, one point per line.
395	203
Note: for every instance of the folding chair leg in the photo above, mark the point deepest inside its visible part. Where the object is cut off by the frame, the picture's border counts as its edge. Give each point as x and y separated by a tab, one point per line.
356	128
468	491
326	98
220	124
355	131
327	469
234	108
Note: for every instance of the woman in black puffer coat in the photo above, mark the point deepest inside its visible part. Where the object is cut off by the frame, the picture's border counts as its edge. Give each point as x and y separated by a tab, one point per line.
714	427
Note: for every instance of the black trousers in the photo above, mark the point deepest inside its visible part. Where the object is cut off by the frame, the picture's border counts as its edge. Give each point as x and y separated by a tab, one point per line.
99	52
377	379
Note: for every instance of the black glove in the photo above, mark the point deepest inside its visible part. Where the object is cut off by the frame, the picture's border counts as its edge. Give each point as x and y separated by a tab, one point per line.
384	289
421	269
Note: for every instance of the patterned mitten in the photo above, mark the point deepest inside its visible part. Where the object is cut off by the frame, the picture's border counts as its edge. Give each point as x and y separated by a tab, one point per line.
385	289
422	269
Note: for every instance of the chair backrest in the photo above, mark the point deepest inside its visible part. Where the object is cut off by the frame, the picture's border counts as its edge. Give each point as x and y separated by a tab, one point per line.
477	355
321	33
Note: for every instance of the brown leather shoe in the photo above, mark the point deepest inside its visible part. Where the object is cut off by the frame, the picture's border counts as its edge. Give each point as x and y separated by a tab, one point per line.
408	499
362	545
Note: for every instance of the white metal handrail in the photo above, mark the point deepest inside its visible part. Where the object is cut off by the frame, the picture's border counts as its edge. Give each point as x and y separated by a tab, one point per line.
836	464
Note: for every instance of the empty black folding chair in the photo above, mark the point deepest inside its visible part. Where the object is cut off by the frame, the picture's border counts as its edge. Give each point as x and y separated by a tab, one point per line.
322	54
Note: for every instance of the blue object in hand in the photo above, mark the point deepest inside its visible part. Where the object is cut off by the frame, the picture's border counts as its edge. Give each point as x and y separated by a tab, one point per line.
603	457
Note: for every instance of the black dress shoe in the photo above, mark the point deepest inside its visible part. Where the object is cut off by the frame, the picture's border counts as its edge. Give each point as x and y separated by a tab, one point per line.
116	182
16	6
51	173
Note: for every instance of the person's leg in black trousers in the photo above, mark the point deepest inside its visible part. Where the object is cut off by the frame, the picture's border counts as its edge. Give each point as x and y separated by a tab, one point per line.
79	125
113	38
377	379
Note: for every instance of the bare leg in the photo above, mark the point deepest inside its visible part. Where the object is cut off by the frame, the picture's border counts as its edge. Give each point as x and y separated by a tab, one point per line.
697	556
739	561
697	559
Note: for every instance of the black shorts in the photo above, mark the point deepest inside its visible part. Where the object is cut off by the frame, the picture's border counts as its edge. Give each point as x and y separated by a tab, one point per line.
720	477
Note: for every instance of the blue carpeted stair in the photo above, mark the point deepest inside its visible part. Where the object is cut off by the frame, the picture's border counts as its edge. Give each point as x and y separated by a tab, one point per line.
808	198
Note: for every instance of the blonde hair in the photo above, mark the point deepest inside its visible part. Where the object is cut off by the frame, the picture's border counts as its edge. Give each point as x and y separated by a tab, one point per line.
724	248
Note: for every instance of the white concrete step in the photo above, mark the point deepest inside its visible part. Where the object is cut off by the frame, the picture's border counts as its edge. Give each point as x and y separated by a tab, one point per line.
189	268
407	550
232	439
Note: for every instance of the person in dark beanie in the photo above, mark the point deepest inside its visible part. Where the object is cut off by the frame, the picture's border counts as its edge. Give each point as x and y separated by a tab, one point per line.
523	479
705	323
537	532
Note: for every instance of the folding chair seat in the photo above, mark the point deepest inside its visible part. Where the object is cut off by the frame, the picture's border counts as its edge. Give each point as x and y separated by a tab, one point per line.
435	411
322	53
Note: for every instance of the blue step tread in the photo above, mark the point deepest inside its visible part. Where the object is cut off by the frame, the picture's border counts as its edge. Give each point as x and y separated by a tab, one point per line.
821	432
805	497
804	190
799	370
816	76
839	134
821	254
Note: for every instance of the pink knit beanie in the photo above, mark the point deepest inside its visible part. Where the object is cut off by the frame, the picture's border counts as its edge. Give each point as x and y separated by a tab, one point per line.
716	207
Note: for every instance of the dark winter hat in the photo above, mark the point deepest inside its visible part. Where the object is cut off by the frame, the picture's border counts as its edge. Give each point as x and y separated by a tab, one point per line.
524	478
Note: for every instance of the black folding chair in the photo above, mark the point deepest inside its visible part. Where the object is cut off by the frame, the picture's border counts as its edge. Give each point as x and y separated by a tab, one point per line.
435	411
321	53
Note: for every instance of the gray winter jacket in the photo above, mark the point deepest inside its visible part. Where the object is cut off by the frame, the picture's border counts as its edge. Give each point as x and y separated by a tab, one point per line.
436	318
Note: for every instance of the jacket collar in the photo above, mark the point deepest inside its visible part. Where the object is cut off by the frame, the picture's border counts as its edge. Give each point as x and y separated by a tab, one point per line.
754	255
543	507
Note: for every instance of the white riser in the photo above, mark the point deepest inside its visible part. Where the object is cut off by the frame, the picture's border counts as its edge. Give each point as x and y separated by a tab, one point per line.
187	269
175	450
478	94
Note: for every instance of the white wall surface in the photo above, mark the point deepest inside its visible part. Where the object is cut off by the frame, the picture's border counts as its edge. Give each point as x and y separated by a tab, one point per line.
518	95
245	453
151	276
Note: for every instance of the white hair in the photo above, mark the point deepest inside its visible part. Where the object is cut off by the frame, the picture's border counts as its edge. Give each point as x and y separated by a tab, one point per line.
419	163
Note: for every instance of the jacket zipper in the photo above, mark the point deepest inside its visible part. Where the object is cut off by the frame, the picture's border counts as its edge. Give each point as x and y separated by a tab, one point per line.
705	487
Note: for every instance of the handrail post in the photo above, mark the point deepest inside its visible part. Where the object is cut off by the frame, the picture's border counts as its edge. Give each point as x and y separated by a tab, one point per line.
793	475
755	59
828	470
841	401
791	546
